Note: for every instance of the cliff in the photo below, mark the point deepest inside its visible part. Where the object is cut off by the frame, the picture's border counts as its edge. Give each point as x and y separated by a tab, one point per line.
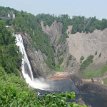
60	46
68	51
63	59
36	58
84	45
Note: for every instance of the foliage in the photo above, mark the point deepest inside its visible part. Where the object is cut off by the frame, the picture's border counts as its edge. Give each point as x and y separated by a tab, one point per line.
79	23
86	62
82	24
25	22
59	68
15	93
10	58
96	53
105	81
6	14
28	23
92	73
81	59
47	18
100	55
59	100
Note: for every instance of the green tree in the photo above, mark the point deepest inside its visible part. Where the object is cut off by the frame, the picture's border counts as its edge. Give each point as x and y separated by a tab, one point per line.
10	57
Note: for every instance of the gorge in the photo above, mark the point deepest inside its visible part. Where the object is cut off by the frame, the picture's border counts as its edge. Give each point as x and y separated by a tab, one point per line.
58	54
86	91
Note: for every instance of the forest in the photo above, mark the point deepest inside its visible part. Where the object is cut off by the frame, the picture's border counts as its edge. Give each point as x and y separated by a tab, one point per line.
13	89
14	92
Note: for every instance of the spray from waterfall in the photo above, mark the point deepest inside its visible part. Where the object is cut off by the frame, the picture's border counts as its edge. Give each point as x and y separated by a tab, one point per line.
28	75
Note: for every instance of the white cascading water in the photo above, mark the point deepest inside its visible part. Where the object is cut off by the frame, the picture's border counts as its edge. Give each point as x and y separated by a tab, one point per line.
34	83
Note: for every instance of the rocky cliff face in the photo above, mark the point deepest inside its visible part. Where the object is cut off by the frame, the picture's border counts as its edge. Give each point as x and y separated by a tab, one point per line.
82	44
67	51
60	46
39	67
61	51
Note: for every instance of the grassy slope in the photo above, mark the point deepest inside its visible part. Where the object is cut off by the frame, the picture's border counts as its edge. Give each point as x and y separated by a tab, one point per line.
90	73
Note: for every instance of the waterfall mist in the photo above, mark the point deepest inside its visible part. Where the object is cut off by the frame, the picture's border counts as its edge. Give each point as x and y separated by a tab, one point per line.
37	83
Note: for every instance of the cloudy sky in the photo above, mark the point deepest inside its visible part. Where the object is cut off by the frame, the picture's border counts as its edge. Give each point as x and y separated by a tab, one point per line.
86	8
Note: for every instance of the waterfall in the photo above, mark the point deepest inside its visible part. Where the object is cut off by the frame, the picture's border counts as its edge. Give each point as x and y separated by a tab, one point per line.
24	55
28	75
39	83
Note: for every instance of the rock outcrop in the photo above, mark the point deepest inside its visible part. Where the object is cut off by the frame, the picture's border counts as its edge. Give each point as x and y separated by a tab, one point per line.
36	58
60	46
82	44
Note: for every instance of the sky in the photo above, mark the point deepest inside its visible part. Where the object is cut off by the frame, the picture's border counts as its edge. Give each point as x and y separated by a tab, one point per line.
88	8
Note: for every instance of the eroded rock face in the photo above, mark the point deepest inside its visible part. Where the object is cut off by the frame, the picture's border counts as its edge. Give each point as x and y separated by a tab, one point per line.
82	44
61	52
60	46
67	53
36	58
54	31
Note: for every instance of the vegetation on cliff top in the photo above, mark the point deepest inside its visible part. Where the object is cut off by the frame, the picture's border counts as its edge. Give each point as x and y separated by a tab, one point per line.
10	57
90	73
